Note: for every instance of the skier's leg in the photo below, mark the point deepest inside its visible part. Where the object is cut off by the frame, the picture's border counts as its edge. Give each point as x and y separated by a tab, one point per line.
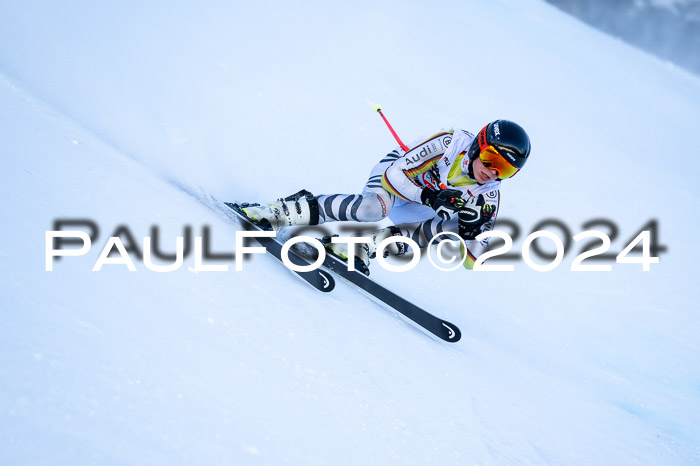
298	209
423	232
420	232
303	208
372	205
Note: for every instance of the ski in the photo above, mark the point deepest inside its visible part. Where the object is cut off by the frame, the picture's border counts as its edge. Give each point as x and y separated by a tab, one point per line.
319	279
322	279
440	328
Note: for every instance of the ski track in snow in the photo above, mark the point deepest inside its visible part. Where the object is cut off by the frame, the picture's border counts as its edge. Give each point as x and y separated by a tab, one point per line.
255	367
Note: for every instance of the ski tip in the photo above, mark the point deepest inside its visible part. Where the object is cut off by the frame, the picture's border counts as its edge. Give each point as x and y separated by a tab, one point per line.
328	282
451	332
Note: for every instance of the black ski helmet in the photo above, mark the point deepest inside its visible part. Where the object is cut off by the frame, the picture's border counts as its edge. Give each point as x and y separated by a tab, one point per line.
507	137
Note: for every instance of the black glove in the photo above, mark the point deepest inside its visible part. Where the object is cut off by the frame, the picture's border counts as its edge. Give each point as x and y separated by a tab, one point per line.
445	202
474	213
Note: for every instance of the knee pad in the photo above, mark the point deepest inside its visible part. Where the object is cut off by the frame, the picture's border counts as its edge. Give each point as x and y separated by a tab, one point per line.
374	206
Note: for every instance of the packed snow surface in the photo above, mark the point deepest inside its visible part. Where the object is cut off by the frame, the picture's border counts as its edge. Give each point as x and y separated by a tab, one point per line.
130	114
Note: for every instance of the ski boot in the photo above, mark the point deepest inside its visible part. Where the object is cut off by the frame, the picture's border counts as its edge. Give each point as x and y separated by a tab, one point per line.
366	251
298	209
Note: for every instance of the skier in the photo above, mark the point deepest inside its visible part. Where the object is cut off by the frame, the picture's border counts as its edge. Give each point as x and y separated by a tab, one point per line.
447	183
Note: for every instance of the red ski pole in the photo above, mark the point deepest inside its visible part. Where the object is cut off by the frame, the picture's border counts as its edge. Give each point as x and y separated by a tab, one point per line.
378	108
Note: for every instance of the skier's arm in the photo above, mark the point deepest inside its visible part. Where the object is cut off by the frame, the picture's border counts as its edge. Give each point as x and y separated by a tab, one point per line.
423	232
399	178
476	248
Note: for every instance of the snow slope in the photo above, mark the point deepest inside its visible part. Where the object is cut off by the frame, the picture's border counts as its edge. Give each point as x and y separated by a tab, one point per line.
107	112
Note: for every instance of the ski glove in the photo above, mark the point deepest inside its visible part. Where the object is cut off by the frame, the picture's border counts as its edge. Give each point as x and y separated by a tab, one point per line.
446	202
472	216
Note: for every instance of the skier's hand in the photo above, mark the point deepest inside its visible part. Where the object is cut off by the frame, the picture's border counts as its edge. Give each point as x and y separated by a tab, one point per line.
474	213
446	202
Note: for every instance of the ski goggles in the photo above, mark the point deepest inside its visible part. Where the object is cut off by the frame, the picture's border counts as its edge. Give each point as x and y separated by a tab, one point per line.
493	160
